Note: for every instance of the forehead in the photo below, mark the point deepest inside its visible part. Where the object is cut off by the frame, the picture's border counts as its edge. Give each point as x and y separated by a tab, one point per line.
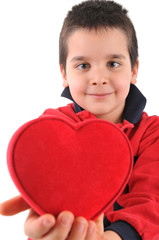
100	41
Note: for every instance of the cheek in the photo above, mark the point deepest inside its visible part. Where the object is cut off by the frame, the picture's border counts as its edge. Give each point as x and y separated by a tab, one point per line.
76	90
76	85
122	85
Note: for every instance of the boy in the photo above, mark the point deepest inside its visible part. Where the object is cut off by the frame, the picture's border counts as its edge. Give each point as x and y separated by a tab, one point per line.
99	65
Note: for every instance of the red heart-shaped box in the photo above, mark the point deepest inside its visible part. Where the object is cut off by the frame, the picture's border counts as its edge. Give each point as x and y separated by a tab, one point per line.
57	165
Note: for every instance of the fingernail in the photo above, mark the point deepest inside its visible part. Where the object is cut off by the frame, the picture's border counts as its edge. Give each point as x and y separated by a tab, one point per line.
81	226
91	228
65	220
47	223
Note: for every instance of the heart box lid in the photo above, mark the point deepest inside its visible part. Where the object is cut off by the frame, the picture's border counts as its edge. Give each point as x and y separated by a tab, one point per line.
80	167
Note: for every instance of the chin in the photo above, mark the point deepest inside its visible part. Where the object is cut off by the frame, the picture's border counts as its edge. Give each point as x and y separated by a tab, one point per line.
98	113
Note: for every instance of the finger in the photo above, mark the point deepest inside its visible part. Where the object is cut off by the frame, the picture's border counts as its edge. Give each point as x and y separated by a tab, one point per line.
13	206
62	228
99	223
91	231
95	229
37	226
79	229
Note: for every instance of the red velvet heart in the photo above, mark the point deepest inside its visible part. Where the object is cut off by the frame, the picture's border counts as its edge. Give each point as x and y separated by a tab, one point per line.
57	165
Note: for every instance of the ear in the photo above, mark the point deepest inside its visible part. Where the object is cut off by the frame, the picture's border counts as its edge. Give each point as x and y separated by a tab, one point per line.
135	72
64	77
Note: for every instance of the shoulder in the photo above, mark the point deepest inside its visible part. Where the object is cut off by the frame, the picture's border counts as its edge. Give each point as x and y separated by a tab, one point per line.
145	131
66	112
56	111
149	129
149	122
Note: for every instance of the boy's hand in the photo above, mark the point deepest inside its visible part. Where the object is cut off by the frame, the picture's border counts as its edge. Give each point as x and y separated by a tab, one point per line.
66	227
46	227
13	206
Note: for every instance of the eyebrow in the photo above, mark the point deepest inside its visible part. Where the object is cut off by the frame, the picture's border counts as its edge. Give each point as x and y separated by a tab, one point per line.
111	56
119	56
78	58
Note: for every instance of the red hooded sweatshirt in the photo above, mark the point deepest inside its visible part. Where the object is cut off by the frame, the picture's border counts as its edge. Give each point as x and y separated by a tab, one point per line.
135	215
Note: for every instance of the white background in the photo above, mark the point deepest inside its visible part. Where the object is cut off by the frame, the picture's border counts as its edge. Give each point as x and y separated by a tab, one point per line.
30	79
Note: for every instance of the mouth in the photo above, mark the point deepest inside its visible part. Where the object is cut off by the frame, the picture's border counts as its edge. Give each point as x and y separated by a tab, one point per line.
99	95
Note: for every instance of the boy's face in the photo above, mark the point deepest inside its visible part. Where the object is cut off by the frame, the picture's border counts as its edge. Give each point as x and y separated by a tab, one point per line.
98	72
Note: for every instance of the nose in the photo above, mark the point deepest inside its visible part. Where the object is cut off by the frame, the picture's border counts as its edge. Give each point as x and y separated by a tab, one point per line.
99	82
99	78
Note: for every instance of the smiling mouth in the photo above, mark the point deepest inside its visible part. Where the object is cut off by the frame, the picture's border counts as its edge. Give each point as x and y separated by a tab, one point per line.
99	95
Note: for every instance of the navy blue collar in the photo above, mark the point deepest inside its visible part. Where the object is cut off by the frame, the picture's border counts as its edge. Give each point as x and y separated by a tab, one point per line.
135	104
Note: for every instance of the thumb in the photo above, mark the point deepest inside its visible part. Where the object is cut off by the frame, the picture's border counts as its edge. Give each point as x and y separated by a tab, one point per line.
13	206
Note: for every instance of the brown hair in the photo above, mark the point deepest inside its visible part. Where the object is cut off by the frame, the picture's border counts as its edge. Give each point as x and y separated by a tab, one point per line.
96	14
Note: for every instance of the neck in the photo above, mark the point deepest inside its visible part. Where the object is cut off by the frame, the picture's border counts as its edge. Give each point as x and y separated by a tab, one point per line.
110	119
114	117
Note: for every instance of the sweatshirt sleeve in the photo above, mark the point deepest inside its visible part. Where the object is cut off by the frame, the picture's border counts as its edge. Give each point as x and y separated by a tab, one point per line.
138	216
124	229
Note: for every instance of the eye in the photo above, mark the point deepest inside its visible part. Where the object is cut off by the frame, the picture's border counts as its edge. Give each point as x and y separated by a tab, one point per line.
83	66
113	64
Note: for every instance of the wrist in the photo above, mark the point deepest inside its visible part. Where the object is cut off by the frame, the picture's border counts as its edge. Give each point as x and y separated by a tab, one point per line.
111	235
